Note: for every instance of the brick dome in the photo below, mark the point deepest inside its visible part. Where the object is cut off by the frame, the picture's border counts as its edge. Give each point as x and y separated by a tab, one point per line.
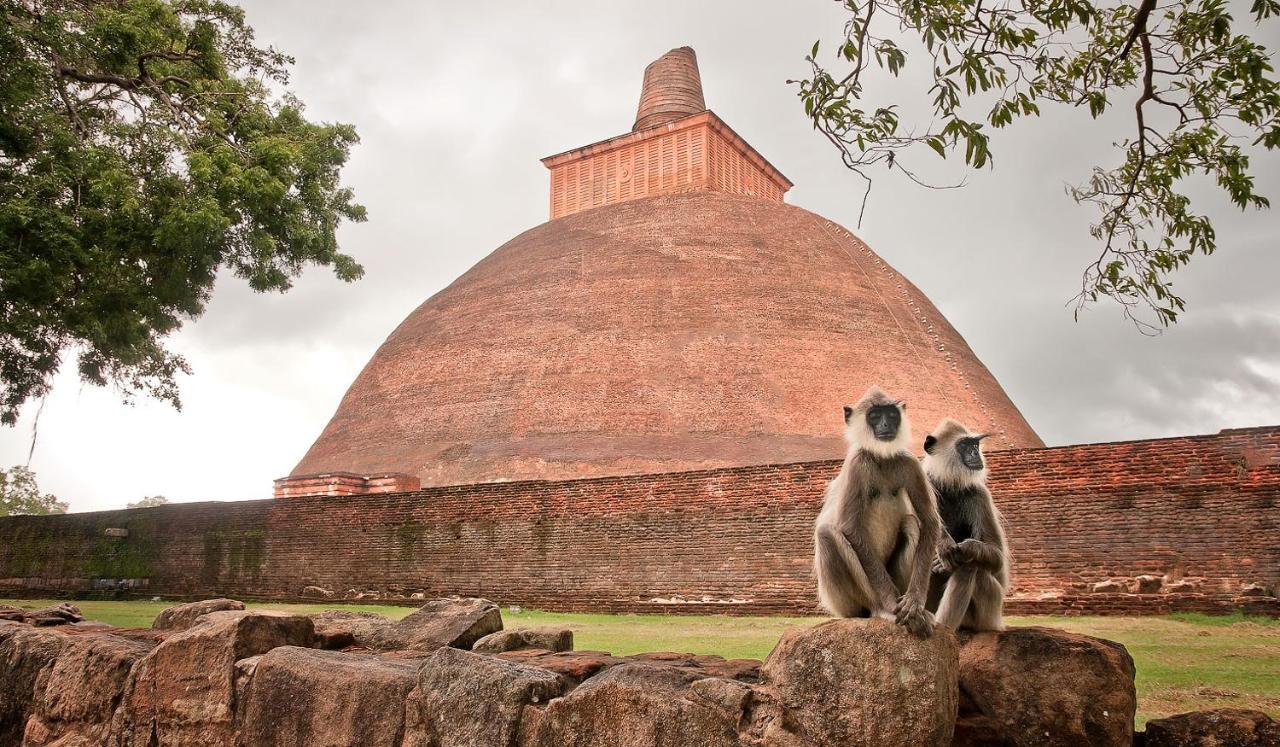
664	333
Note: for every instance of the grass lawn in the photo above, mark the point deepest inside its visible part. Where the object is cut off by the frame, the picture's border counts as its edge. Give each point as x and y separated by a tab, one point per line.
1184	662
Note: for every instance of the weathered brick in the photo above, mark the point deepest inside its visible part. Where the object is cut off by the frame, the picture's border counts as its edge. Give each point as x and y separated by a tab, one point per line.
731	540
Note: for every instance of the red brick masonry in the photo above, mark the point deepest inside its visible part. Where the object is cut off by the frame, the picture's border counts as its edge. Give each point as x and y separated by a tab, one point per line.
1200	512
698	153
344	483
676	145
684	332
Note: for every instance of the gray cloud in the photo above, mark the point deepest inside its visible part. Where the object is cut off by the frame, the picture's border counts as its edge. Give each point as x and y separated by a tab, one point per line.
455	105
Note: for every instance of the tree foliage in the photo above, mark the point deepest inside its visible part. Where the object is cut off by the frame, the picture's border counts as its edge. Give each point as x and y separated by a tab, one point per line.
149	502
144	146
19	494
1200	95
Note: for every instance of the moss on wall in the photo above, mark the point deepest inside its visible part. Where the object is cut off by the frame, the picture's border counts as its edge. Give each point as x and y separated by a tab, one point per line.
30	551
233	555
118	557
408	538
131	556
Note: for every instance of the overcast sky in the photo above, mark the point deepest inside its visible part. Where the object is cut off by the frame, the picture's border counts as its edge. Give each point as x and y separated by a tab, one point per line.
456	102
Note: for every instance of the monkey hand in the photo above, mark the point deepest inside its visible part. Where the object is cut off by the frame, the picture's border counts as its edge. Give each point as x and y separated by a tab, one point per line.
953	556
911	614
968	552
941	564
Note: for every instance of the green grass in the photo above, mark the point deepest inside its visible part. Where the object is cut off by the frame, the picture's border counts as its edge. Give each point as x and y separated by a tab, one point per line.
1185	662
1190	662
730	637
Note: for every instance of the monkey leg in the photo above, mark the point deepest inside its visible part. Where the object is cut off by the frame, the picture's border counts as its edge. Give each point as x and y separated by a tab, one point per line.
986	607
843	587
956	598
904	553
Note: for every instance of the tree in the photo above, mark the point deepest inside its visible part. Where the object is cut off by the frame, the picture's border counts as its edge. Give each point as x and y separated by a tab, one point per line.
1199	95
19	494
144	146
149	501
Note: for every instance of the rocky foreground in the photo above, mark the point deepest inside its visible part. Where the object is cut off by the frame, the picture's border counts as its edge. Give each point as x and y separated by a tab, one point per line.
213	673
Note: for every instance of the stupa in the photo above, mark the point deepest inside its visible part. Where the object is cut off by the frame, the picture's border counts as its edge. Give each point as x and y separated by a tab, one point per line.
674	313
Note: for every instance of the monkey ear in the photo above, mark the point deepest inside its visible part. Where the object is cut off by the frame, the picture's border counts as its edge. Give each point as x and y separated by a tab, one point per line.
981	436
929	443
902	404
848	413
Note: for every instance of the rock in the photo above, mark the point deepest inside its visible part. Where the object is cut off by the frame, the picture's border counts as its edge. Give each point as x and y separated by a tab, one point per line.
245	669
76	698
638	704
183	692
1147	584
342	628
456	622
976	730
58	614
503	640
1182	587
866	682
704	665
447	622
1223	727
183	616
13	614
547	639
726	695
317	591
465	699
301	696
1049	687
1107	587
573	667
25	652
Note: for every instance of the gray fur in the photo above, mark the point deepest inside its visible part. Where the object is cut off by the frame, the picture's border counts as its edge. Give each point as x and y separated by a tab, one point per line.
970	578
877	513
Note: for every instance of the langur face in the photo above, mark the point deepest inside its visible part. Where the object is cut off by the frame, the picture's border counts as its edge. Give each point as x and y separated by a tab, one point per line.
969	450
884	421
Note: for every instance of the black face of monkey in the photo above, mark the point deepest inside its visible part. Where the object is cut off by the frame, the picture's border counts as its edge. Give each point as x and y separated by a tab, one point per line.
884	421
970	452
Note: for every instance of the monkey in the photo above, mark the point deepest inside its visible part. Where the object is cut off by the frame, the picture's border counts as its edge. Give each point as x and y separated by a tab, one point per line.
971	572
875	536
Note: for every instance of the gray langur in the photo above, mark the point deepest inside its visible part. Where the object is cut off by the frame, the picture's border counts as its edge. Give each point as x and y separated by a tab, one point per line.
971	573
874	539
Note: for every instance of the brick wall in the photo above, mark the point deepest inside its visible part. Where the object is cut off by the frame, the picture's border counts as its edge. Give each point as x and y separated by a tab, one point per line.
696	153
344	483
1199	511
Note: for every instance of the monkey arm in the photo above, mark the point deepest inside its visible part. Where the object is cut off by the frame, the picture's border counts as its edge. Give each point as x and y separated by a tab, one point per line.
910	611
944	538
986	548
981	554
931	531
943	562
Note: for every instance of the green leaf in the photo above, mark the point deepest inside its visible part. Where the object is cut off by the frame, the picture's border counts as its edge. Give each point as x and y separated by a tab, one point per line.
116	219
